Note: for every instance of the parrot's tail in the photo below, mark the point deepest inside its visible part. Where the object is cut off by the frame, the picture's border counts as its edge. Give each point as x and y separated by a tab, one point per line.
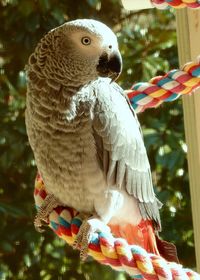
142	235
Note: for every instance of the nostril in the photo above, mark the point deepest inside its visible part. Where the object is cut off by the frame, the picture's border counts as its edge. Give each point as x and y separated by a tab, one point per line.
110	46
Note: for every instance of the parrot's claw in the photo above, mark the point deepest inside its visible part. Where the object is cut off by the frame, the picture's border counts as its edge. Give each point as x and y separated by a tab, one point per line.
42	217
87	229
82	239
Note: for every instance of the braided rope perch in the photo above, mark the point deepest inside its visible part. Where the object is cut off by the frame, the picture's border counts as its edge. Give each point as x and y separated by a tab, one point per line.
116	252
165	88
177	4
106	249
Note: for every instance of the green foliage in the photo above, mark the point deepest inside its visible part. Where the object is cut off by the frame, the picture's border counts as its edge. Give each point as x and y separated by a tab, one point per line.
148	45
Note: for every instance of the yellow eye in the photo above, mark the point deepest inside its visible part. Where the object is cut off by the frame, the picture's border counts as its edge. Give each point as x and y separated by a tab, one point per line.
86	41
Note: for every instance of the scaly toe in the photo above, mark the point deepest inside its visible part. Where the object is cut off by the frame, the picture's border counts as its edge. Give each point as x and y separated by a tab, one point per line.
88	228
38	224
78	241
42	217
82	239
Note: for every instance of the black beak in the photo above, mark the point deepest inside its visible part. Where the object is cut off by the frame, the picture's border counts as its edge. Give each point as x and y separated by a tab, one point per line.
110	66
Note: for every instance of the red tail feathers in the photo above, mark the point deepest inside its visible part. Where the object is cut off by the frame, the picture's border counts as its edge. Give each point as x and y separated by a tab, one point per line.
142	235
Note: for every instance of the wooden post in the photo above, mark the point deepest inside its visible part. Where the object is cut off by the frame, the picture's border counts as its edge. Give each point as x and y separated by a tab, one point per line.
137	4
188	31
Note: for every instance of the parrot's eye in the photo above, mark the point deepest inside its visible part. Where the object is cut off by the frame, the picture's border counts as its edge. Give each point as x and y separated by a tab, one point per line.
86	41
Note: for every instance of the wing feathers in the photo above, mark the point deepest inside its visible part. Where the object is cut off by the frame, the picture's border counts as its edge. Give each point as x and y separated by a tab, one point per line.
151	211
121	169
125	161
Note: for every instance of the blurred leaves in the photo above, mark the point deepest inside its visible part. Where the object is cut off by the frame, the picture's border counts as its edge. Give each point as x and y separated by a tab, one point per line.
147	41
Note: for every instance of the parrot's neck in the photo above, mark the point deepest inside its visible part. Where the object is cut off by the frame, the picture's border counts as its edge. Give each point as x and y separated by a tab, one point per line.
65	86
64	101
62	87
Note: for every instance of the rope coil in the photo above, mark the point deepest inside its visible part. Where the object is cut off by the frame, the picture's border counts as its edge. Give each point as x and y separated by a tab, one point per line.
177	4
165	88
116	252
107	250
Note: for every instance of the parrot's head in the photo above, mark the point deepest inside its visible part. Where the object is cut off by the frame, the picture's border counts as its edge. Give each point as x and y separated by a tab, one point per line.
78	51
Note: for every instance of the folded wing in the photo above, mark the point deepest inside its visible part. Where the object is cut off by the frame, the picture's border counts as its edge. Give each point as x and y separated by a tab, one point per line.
121	149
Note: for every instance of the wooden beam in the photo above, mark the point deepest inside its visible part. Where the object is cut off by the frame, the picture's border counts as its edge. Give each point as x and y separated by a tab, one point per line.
137	4
188	31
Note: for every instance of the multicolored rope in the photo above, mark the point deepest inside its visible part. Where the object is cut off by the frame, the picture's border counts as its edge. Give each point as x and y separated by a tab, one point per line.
177	4
165	88
115	252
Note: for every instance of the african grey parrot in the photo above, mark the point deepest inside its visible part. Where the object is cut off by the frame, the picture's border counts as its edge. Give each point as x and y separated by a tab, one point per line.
86	137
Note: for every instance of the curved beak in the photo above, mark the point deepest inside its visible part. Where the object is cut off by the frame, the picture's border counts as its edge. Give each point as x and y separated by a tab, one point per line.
110	66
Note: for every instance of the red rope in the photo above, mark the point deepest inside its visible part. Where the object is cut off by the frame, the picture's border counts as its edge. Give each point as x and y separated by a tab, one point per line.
162	4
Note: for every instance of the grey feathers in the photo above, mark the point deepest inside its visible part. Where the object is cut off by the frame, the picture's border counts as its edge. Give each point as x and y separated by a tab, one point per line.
121	149
84	134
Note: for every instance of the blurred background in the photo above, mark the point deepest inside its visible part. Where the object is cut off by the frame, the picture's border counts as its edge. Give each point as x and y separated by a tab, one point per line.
147	41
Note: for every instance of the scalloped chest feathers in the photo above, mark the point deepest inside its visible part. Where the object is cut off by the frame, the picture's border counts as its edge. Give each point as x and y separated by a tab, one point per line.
61	136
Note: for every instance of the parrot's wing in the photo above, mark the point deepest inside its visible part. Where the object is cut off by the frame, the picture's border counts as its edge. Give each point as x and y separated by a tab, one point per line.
120	147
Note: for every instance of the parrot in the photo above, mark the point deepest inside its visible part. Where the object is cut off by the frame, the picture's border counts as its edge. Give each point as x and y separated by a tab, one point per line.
86	137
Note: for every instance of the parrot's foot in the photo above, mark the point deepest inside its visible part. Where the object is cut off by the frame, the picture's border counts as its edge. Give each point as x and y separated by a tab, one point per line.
45	210
87	229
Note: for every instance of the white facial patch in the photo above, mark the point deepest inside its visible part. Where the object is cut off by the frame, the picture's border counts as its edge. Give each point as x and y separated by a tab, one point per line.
101	37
